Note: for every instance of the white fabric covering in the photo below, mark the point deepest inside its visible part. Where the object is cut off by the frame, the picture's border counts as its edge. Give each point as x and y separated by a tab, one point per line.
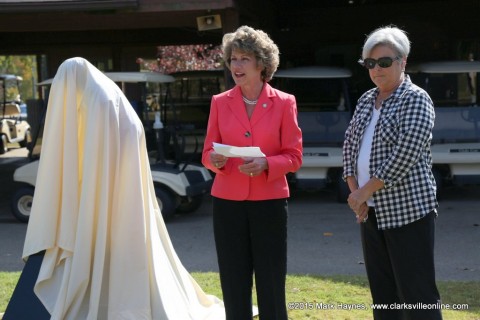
108	253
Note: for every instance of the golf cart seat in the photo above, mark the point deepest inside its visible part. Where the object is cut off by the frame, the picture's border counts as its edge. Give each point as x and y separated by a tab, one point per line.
10	110
456	125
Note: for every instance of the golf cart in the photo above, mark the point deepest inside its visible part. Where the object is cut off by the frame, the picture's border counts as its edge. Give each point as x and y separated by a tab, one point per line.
13	127
452	85
324	111
179	185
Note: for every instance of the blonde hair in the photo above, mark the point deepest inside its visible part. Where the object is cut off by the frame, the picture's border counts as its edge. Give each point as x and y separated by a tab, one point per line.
249	40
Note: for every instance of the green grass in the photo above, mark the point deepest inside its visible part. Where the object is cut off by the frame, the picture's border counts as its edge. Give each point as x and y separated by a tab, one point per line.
309	293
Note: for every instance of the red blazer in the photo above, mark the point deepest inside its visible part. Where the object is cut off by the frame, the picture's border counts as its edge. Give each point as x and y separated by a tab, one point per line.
273	127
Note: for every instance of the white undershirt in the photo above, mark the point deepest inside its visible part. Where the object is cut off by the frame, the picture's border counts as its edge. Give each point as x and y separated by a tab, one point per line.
363	162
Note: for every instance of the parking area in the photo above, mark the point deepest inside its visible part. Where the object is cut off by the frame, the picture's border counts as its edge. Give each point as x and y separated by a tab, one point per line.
323	235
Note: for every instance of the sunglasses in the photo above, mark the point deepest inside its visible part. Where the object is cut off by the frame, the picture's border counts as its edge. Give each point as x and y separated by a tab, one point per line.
384	62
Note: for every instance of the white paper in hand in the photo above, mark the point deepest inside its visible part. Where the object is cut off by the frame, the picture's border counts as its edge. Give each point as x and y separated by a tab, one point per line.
237	152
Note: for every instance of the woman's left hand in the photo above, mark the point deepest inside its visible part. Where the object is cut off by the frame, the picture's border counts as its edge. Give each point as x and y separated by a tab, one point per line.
358	204
253	166
362	213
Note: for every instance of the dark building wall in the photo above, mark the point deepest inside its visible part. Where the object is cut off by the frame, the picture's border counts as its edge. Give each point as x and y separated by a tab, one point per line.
435	27
322	32
112	38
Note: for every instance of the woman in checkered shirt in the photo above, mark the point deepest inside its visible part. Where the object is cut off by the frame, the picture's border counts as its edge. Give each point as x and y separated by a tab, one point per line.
387	165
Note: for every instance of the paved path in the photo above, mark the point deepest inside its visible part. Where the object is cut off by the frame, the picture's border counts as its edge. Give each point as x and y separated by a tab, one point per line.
323	236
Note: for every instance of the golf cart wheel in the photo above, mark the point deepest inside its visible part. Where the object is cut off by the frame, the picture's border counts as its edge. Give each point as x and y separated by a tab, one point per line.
166	202
26	140
190	204
22	203
3	144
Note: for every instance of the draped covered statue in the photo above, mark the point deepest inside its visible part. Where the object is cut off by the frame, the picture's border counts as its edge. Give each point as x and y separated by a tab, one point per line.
107	251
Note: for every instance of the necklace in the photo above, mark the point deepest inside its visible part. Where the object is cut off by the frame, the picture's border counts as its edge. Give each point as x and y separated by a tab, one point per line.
248	101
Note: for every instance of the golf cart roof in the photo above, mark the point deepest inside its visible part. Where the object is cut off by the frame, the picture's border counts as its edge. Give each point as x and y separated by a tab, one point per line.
131	77
445	67
10	77
135	77
45	82
314	72
193	74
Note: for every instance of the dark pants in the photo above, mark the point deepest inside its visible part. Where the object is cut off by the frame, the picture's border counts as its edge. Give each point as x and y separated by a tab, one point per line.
251	238
400	268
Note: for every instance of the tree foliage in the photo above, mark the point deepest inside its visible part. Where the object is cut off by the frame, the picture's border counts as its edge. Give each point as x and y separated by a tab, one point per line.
24	66
171	59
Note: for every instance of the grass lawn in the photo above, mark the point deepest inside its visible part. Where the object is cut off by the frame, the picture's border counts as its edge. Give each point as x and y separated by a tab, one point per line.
322	298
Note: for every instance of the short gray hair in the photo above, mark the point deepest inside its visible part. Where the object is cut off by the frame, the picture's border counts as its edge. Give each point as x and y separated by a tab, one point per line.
249	40
390	36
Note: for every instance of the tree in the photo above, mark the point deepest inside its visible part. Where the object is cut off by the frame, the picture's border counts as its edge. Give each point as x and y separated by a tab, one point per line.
24	66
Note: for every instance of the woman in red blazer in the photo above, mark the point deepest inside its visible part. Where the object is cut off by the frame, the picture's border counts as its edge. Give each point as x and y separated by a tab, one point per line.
250	195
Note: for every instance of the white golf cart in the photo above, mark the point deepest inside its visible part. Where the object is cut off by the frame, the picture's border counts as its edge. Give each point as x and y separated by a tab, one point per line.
452	85
324	111
179	185
13	127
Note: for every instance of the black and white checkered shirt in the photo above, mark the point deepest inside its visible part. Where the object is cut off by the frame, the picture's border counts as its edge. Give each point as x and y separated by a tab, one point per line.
400	154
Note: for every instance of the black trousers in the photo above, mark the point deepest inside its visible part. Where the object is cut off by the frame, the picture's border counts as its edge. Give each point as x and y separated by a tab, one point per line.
400	268
251	239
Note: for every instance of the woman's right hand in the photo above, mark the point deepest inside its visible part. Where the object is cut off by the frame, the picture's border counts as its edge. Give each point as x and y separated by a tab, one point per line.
217	160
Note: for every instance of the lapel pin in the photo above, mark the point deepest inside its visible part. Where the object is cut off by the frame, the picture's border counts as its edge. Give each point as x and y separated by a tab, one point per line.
264	105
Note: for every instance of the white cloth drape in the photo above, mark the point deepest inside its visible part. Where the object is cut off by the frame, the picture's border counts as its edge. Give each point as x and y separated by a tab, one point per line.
108	253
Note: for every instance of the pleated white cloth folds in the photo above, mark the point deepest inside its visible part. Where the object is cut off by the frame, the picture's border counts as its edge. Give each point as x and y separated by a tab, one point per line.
108	253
